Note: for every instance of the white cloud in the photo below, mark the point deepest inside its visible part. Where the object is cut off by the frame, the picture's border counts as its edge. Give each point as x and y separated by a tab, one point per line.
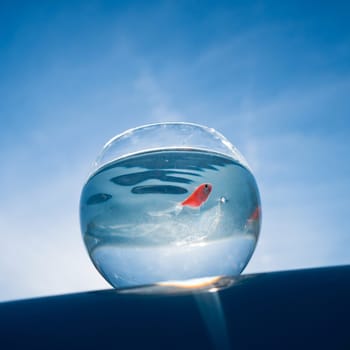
302	177
156	98
42	249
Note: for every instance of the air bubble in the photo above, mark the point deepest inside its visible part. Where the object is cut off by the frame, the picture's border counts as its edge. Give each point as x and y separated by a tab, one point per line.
223	200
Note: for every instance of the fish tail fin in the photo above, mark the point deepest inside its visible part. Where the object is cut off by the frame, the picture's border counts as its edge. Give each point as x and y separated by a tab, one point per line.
167	212
178	209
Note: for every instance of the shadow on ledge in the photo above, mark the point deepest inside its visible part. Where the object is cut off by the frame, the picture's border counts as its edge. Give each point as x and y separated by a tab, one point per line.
304	309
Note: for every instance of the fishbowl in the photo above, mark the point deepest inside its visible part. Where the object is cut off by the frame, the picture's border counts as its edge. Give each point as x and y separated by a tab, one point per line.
167	204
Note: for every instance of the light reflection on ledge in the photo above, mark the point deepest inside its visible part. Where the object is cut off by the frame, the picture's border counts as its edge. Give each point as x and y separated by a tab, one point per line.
206	284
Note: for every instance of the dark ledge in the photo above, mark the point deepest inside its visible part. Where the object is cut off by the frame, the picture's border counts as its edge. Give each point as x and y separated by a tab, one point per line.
303	309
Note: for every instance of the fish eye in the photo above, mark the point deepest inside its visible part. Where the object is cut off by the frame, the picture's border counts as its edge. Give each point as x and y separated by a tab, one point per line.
206	186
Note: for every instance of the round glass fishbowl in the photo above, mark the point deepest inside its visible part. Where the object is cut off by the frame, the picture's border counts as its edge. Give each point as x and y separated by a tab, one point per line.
169	203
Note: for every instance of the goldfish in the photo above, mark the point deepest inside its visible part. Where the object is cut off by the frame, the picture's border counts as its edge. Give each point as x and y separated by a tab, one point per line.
198	196
194	201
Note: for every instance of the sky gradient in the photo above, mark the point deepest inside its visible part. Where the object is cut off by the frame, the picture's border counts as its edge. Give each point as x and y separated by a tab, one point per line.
273	77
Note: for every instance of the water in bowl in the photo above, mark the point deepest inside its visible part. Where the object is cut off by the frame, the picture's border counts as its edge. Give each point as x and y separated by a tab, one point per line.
137	232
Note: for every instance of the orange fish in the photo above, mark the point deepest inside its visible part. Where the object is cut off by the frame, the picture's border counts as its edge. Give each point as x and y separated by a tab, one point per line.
198	196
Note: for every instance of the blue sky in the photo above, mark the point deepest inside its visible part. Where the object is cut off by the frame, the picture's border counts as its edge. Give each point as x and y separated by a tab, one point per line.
272	76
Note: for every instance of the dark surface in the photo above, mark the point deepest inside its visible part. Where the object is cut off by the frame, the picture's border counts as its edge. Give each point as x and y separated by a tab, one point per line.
305	309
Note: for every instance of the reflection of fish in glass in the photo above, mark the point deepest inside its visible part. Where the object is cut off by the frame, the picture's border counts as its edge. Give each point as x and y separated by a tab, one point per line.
198	196
253	222
255	216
